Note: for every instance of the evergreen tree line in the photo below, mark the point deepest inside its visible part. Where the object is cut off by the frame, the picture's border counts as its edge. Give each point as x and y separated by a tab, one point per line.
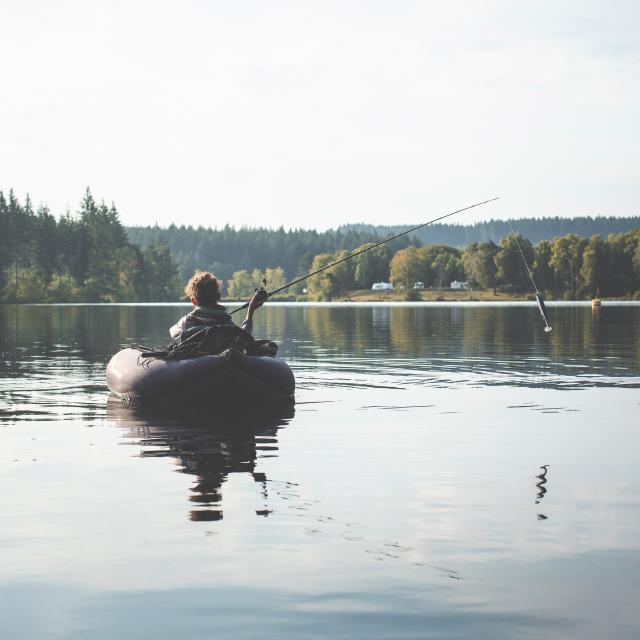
567	267
85	257
227	250
536	229
90	256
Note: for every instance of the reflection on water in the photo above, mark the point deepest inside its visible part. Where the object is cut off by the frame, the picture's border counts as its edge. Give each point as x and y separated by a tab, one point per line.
487	345
542	480
386	347
397	501
210	443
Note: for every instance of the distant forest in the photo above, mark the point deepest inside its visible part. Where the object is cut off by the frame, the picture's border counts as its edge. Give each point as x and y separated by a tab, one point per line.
227	250
89	256
81	257
535	229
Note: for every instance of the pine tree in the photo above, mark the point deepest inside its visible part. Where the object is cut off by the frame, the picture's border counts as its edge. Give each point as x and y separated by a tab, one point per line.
46	252
161	273
14	235
5	252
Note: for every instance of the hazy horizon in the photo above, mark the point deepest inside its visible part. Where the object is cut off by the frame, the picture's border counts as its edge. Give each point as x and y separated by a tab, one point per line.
318	114
399	224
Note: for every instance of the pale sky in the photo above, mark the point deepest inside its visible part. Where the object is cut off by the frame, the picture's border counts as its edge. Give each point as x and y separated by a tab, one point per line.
315	114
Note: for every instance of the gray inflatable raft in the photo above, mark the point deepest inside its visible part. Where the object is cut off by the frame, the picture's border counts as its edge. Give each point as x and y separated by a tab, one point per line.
219	379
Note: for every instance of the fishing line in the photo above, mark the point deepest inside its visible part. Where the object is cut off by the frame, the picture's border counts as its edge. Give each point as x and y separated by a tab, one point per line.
539	298
268	294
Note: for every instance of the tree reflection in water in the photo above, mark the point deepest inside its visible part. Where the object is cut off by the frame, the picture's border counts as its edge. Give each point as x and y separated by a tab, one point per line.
502	344
206	442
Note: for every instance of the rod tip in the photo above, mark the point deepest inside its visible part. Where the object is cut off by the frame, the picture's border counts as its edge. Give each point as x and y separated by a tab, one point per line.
548	329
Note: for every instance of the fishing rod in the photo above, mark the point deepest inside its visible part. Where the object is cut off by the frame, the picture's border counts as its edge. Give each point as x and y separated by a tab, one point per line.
267	294
539	298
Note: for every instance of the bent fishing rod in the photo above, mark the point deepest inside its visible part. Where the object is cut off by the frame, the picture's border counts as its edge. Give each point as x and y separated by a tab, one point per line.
268	294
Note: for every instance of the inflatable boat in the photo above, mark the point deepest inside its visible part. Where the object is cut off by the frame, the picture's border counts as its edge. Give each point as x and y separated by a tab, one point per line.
229	377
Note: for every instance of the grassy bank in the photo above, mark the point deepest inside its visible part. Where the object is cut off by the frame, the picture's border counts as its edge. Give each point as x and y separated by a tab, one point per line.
434	295
425	295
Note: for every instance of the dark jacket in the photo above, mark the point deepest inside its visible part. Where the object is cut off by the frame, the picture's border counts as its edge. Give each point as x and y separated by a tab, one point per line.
209	316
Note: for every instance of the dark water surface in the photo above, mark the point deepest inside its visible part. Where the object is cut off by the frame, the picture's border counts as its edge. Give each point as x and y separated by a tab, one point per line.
448	471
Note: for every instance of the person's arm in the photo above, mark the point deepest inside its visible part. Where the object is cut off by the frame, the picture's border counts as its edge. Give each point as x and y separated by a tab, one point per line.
177	328
256	302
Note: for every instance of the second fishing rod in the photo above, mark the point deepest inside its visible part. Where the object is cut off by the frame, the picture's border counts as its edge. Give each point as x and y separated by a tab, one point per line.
267	294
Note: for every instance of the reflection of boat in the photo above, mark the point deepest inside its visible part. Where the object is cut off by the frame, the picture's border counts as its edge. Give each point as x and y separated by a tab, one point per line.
229	376
207	444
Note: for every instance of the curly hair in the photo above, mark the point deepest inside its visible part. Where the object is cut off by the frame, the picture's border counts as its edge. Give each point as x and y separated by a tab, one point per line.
203	287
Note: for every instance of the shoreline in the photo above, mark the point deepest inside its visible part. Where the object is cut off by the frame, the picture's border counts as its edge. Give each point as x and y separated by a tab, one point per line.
443	295
397	302
366	296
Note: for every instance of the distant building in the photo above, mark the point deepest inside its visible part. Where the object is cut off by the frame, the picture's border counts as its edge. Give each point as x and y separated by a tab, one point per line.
418	285
459	285
382	286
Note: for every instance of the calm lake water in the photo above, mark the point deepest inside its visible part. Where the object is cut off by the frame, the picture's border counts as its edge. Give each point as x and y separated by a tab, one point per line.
449	471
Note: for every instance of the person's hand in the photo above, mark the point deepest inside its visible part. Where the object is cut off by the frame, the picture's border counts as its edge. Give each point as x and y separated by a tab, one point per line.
257	300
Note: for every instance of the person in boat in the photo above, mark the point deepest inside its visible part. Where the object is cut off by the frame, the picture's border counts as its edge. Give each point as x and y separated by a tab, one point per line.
203	289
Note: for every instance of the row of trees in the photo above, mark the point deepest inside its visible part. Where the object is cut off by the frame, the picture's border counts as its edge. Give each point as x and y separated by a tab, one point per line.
90	256
357	273
242	284
536	229
227	250
569	266
80	258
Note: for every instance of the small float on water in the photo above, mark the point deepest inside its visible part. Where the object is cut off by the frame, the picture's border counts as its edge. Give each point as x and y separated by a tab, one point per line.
228	377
